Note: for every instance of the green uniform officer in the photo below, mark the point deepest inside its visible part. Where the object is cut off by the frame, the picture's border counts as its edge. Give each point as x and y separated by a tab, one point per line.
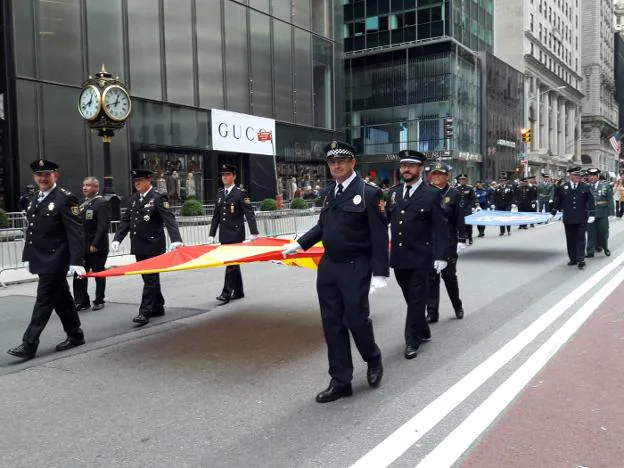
598	231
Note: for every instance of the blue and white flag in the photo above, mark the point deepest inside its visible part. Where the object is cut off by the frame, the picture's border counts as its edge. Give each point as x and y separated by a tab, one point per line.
506	218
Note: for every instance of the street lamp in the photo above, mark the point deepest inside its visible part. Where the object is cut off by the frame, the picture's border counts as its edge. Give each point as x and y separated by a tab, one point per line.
105	104
547	91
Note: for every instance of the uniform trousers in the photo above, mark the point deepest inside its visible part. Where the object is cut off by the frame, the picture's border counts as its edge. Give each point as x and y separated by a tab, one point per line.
415	286
449	275
152	300
52	294
233	284
575	241
544	204
93	262
343	298
598	234
469	231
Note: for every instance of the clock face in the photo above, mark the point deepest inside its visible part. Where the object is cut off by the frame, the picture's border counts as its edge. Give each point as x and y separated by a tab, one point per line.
116	103
90	102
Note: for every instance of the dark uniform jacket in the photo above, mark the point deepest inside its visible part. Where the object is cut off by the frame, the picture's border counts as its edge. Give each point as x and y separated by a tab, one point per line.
546	191
526	198
504	197
54	238
352	226
576	205
95	215
603	199
229	215
454	217
418	226
145	221
467	198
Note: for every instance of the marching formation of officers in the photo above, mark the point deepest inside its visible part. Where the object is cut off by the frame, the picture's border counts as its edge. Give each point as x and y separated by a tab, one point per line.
425	216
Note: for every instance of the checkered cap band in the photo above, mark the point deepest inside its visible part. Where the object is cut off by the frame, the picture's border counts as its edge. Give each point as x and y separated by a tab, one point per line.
340	152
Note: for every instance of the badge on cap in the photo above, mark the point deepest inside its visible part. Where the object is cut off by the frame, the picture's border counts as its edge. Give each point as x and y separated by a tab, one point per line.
357	200
333	145
41	163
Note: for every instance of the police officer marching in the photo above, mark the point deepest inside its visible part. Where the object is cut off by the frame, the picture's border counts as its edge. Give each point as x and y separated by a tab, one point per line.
456	242
504	199
575	200
145	220
95	216
354	231
526	198
53	246
232	208
419	242
598	231
468	201
545	194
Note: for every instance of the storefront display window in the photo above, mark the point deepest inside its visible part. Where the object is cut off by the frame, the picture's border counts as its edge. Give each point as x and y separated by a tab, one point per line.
179	176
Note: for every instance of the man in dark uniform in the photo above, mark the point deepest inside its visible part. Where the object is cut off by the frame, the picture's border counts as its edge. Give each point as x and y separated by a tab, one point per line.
419	232
26	197
575	200
53	246
598	231
468	201
145	219
354	231
95	215
232	208
545	194
456	242
526	198
504	199
482	195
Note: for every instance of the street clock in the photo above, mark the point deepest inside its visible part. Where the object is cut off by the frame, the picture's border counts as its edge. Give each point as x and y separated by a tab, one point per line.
90	102
116	103
104	103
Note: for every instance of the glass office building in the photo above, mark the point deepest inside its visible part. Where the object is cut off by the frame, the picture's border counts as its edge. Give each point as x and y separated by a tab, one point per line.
182	60
409	65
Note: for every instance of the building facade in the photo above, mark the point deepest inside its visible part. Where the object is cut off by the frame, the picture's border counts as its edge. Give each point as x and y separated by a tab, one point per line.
408	66
542	39
600	109
185	61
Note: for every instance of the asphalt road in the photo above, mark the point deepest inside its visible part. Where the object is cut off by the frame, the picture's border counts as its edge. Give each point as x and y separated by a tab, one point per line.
234	386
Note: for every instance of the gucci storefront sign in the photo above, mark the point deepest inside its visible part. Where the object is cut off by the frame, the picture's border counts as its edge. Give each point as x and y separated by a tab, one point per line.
242	133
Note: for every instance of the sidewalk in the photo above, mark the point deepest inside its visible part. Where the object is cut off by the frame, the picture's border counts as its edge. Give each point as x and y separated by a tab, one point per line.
572	414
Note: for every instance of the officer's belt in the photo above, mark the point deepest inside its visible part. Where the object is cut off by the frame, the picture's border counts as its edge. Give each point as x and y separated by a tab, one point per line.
602	202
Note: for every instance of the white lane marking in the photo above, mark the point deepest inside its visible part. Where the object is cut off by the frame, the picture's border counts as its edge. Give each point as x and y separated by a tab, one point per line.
397	443
458	441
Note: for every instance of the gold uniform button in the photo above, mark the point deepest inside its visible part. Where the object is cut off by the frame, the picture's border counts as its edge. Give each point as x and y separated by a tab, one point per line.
400	222
402	211
400	245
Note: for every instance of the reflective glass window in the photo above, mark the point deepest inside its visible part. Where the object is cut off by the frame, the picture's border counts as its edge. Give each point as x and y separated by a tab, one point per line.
262	83
144	35
105	37
283	70
303	77
301	13
209	55
322	70
179	52
24	38
236	65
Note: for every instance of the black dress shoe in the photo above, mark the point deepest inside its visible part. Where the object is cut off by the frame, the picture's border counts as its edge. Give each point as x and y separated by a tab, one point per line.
224	300
374	373
501	234
598	249
141	319
572	262
332	393
433	317
80	307
70	342
23	351
236	296
607	252
97	307
158	313
459	313
469	241
410	352
581	265
589	255
481	235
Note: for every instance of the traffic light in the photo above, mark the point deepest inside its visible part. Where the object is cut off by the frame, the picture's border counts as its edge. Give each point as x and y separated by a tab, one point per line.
526	135
448	128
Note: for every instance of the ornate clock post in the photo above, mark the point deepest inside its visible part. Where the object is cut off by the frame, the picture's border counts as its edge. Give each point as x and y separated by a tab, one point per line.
105	105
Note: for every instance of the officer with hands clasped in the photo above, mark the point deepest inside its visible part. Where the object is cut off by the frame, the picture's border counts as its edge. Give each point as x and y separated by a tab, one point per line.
504	199
598	231
354	231
145	219
575	200
419	242
468	201
53	246
232	208
456	239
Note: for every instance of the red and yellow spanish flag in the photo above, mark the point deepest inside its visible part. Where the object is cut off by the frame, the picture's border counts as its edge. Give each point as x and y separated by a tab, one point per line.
265	249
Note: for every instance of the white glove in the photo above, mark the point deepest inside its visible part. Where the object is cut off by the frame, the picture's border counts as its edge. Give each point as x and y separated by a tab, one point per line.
115	246
478	208
514	208
493	207
591	219
439	265
78	269
175	245
211	240
550	201
27	267
377	282
291	249
460	246
253	236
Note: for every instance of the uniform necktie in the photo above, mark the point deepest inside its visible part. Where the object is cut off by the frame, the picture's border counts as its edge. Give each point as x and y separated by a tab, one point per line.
573	186
339	191
40	197
227	192
407	191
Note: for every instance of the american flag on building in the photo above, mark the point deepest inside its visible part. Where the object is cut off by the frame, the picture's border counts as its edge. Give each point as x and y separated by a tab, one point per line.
615	141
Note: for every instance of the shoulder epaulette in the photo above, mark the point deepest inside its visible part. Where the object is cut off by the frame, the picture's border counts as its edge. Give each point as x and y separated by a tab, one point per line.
66	192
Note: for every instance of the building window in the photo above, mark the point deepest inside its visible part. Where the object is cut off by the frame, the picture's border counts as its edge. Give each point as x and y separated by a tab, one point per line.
531	21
